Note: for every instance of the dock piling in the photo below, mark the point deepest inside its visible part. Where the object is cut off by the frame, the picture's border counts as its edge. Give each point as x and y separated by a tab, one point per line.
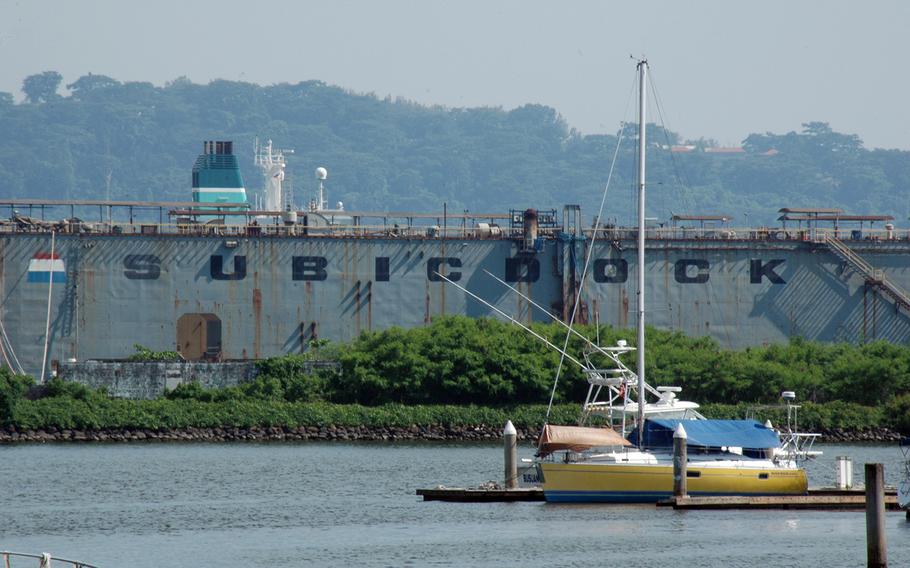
876	551
680	459
844	472
510	444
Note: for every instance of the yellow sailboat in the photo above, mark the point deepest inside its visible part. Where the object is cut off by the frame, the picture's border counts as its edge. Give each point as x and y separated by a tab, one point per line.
585	465
726	457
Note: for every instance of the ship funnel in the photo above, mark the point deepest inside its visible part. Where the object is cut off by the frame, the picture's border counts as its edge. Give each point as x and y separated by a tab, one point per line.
216	174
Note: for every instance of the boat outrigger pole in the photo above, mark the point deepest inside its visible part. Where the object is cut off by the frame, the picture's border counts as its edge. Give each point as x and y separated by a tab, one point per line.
547	313
642	103
512	320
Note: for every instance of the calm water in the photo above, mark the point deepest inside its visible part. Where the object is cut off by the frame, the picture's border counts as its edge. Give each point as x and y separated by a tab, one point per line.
311	504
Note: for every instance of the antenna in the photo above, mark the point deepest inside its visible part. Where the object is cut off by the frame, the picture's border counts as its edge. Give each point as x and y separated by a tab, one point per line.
321	174
272	164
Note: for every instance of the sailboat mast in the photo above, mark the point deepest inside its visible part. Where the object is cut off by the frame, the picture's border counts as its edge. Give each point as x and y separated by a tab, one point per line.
642	105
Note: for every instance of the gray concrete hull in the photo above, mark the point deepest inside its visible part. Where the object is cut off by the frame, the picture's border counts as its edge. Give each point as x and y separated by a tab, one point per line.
272	295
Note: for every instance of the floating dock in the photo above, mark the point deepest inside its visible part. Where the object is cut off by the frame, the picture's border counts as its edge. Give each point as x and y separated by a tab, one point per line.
818	499
824	501
481	495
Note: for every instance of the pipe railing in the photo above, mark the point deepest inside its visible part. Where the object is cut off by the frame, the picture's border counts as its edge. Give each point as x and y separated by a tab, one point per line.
752	233
241	230
44	560
432	231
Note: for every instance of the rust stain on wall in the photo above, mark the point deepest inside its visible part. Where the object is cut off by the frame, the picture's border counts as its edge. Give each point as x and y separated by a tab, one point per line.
257	322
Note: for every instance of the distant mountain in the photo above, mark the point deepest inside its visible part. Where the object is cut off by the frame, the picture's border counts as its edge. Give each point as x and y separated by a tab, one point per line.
137	141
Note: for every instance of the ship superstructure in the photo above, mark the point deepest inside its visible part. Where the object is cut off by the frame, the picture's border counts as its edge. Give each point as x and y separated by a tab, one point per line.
272	164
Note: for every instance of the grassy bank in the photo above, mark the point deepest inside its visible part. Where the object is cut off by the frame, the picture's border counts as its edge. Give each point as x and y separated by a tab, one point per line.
102	413
460	371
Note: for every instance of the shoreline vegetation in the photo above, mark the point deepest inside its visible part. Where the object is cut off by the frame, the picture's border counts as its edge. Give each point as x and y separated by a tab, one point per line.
462	379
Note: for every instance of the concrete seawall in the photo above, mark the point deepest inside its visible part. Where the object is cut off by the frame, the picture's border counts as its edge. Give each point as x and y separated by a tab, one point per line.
149	380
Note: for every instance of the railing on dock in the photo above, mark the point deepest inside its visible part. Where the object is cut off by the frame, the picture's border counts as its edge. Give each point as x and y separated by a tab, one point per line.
194	219
44	560
874	277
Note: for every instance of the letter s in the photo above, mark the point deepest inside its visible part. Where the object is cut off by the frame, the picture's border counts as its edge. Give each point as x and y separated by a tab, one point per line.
142	267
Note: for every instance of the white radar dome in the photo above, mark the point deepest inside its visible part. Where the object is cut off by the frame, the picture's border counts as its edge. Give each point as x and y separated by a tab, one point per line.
322	173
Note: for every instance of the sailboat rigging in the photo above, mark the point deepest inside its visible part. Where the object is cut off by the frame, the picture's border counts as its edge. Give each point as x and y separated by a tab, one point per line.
726	457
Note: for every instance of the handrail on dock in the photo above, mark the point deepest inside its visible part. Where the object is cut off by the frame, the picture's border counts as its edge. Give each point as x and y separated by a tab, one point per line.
406	225
44	560
873	276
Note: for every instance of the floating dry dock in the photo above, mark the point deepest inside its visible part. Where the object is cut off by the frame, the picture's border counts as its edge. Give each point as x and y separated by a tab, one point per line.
819	499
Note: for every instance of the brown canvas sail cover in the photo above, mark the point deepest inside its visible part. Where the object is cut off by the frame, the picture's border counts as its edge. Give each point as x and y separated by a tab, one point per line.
577	438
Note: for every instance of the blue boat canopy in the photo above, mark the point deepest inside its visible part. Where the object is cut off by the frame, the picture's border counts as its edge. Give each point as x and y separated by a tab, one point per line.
746	434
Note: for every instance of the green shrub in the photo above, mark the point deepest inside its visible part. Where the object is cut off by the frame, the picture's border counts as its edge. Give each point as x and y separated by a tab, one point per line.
898	412
57	387
460	370
145	354
460	360
190	391
13	388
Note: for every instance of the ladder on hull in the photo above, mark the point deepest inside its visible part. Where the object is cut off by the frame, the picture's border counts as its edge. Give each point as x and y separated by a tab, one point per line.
874	277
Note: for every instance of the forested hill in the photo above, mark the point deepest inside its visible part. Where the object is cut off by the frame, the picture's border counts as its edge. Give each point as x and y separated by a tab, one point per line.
134	140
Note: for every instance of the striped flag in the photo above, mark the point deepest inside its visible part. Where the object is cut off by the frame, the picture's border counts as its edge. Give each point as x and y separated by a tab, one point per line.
44	267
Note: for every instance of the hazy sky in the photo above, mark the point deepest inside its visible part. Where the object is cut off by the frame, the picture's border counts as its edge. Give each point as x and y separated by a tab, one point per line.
723	69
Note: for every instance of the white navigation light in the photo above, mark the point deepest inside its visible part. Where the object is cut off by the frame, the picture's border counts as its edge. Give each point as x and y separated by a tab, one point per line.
322	173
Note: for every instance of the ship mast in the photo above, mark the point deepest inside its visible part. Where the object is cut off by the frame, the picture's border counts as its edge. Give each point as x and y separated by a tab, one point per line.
272	163
642	103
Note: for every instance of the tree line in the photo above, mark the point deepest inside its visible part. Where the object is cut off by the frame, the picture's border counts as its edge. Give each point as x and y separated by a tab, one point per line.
105	138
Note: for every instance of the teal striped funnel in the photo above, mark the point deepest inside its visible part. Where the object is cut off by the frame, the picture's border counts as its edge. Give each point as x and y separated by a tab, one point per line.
216	175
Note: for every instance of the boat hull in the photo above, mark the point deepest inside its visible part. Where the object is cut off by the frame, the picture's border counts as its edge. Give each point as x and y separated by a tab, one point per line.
622	483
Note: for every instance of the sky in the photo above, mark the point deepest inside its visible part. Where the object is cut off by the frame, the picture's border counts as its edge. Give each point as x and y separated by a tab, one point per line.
722	69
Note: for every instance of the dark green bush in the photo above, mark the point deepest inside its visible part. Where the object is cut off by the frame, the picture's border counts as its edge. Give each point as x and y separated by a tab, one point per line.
898	412
13	388
145	354
457	369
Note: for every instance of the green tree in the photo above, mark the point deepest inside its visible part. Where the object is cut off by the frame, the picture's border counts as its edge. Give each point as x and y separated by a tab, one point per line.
13	388
387	154
88	83
42	87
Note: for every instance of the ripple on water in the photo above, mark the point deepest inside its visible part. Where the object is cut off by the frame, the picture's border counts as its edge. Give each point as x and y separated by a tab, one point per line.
318	504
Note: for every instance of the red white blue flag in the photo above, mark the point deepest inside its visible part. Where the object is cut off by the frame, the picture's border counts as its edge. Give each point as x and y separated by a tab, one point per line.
46	267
